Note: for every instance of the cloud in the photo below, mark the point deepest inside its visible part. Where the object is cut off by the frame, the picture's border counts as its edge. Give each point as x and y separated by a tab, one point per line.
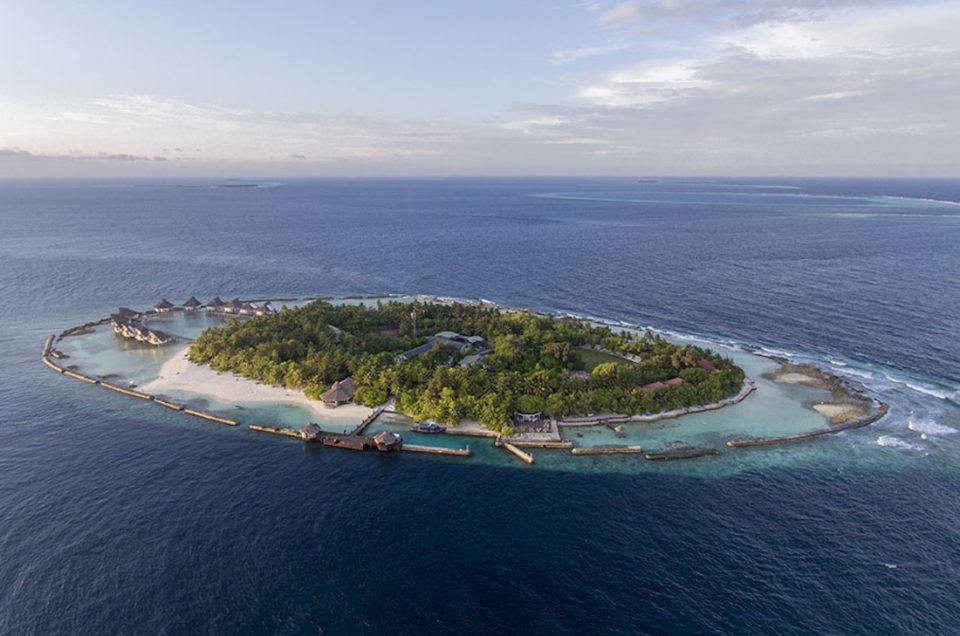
559	58
25	155
649	15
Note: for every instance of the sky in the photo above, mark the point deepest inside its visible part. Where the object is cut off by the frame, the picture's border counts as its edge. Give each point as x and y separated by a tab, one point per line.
434	88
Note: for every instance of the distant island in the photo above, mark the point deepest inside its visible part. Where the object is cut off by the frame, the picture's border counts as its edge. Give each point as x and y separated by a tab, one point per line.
450	362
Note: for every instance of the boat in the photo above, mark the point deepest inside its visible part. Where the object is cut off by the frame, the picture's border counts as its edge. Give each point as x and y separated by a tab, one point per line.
428	427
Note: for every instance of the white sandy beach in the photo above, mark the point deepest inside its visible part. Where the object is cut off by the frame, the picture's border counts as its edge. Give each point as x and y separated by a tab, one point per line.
180	375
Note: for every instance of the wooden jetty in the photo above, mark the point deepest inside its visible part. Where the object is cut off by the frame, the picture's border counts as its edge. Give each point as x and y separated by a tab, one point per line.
276	430
528	443
688	452
607	450
353	442
367	421
210	416
53	365
437	450
170	405
514	450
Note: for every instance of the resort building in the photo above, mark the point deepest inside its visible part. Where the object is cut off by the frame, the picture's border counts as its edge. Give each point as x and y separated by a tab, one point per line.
310	432
233	307
192	304
263	309
128	314
339	393
448	339
163	306
455	340
705	364
527	418
653	386
216	304
386	441
132	329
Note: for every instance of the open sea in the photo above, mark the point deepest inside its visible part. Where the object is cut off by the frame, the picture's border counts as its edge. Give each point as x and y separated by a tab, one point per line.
116	518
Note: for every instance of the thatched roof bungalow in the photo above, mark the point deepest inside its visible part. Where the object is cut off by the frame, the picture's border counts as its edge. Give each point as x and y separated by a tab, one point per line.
192	303
310	432
163	305
216	304
387	441
339	393
233	306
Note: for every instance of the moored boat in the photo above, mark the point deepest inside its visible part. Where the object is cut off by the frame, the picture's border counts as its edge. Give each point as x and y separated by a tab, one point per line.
428	427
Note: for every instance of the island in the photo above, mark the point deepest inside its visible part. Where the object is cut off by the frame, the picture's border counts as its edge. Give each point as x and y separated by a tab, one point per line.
453	362
417	373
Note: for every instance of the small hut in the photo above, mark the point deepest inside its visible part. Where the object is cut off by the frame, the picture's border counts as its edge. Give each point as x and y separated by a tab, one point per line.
163	306
127	314
387	441
246	309
264	309
233	306
192	304
339	393
310	432
706	365
216	304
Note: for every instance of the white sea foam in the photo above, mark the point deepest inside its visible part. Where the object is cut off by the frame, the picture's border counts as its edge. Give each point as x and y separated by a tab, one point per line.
895	442
927	390
837	363
919	200
929	427
863	374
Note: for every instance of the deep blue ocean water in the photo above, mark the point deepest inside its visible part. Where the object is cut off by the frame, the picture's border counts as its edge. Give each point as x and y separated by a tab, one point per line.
117	519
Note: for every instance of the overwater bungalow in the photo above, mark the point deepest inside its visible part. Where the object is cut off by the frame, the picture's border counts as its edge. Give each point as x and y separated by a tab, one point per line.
233	307
163	306
387	441
216	304
264	309
310	432
339	393
246	309
192	304
128	314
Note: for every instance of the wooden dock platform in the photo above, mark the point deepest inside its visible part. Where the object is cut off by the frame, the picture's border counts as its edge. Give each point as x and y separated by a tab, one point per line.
607	450
437	450
276	430
523	456
367	421
689	452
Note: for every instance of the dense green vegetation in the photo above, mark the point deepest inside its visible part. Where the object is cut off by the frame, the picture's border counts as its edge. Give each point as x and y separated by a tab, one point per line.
531	367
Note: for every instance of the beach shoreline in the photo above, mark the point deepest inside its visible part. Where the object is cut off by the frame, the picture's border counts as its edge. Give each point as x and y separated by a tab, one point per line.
180	375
